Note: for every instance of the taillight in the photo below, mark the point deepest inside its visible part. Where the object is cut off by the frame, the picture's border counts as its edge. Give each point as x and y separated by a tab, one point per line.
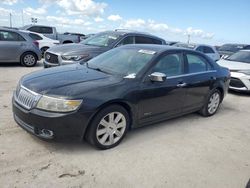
36	43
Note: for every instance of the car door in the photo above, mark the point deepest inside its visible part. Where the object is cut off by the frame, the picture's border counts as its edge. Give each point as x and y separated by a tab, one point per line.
161	100
200	76
11	44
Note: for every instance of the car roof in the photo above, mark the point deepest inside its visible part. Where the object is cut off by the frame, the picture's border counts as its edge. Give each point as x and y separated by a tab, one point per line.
125	32
195	44
154	47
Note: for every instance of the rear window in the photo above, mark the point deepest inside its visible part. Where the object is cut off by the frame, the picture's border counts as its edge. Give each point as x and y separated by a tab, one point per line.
43	30
35	37
208	50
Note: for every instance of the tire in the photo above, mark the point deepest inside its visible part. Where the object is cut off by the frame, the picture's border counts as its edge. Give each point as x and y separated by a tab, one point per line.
102	129
212	103
43	50
28	59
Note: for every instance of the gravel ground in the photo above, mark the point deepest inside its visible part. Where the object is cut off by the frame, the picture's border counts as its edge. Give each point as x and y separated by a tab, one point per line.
190	151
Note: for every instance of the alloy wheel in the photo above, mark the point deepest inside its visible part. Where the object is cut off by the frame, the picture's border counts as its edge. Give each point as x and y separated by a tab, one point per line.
214	103
111	128
29	60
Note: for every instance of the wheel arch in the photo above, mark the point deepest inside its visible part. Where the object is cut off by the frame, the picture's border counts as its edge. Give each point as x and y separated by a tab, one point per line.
67	42
128	107
27	52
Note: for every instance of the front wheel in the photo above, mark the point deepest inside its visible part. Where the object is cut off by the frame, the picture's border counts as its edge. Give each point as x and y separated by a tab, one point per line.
212	104
29	59
108	127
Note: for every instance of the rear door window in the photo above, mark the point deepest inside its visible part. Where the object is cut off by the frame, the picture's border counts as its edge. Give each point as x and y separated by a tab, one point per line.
10	36
146	40
197	64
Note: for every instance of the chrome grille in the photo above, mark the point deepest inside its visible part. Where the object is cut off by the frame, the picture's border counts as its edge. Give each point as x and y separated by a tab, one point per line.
26	98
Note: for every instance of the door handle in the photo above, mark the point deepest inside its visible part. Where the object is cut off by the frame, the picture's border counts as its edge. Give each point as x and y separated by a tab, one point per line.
181	84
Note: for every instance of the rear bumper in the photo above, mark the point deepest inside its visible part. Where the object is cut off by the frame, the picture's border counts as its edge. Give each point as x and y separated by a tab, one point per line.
60	124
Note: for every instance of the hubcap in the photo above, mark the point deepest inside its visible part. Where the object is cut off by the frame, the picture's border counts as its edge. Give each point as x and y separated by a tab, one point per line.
214	102
29	59
111	128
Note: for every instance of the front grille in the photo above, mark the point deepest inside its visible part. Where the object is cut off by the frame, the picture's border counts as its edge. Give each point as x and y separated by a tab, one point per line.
235	82
51	58
26	98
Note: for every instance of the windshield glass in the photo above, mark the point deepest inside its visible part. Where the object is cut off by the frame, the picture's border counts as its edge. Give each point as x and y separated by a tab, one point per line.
122	61
242	56
183	45
231	48
102	39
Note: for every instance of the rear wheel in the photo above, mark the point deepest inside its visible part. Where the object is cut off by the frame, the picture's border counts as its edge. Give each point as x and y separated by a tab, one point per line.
212	104
108	127
29	59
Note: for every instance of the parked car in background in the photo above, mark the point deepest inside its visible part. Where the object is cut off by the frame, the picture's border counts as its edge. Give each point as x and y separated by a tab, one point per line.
124	88
95	45
88	36
228	49
239	65
51	32
206	49
44	42
18	46
171	43
80	35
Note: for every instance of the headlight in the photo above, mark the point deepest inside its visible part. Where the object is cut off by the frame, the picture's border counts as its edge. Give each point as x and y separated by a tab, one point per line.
74	57
247	72
57	105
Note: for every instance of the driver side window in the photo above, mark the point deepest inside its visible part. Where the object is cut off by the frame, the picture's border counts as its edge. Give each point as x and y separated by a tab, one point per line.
127	40
171	65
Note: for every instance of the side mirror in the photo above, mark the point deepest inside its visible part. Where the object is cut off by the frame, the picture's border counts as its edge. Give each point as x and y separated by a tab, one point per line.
157	77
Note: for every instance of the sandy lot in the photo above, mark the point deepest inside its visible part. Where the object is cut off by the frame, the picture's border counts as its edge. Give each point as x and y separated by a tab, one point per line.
190	151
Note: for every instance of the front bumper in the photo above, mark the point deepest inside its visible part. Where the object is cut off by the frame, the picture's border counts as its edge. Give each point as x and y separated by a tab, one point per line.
38	122
58	61
239	82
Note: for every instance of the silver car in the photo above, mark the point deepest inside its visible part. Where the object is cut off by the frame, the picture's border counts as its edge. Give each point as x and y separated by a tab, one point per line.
18	46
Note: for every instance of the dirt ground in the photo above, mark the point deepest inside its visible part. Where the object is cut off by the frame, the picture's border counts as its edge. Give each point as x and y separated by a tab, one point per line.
190	151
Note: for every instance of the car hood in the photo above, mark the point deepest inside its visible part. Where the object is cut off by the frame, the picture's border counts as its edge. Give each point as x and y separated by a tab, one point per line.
76	49
234	65
68	81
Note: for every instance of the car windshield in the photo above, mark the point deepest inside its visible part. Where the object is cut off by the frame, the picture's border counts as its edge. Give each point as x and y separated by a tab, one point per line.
122	61
183	45
241	56
231	48
102	39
